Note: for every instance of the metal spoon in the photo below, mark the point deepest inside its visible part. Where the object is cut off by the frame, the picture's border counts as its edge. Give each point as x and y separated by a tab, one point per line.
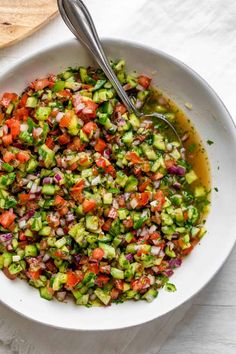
79	21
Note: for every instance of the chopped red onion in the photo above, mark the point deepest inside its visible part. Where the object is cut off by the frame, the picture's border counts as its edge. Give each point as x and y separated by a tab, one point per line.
47	180
24	127
57	177
133	203
185	137
155	250
60	231
121	122
70	217
61	295
175	262
22	223
177	170
177	185
138	104
156	184
5	237
129	257
46	257
168	272
9	247
127	87
140	87
59	116
107	153
34	188
152	229
115	204
77	257
30	213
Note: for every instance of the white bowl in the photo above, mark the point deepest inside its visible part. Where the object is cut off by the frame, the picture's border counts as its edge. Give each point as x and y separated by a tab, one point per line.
212	121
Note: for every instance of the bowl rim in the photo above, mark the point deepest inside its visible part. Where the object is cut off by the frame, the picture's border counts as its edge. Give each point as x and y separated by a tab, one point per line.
227	117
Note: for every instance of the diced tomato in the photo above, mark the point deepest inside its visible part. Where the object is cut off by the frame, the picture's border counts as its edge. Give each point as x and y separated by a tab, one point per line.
128	223
100	145
143	198
119	284
185	214
102	280
64	93
142	186
24	198
7	218
120	108
50	142
64	139
14	125
89	128
140	284
1	117
169	163
83	160
50	266
76	145
88	205
144	81
23	156
155	236
63	211
7	98
66	119
111	171
84	107
156	176
23	100
8	156
94	268
22	113
34	275
146	166
105	269
59	201
73	278
22	236
7	139
39	84
106	226
114	294
78	187
133	157
188	250
98	253
159	196
101	162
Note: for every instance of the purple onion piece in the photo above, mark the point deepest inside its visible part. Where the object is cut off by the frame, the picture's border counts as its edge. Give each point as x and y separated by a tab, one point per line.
168	272
77	258
129	257
57	177
175	262
30	213
177	170
47	180
5	237
177	185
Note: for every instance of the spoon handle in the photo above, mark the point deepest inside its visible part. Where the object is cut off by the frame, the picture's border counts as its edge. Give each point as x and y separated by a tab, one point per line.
78	19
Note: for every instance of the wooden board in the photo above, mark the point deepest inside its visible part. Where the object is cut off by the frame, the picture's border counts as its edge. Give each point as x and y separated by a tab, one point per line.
20	18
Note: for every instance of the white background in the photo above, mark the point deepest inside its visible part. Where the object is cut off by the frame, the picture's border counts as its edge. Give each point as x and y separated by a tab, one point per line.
201	33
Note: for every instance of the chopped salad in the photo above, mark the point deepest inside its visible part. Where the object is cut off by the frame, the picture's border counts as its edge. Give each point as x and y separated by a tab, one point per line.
95	204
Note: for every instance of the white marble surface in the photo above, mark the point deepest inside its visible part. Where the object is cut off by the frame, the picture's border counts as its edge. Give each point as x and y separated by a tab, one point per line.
202	34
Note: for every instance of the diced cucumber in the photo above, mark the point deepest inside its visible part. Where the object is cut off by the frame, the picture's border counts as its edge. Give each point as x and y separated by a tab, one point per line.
191	177
117	273
131	184
31	102
48	189
45	294
103	296
31	251
43	113
91	222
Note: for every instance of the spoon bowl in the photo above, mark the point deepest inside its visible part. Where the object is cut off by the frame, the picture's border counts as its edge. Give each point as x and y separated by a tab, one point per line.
78	19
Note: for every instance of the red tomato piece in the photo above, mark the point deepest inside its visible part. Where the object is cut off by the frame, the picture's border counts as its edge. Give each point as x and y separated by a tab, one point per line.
101	162
88	205
102	280
144	81
89	128
8	156
98	253
7	98
112	213
22	156
7	218
7	139
133	157
100	145
73	278
40	84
